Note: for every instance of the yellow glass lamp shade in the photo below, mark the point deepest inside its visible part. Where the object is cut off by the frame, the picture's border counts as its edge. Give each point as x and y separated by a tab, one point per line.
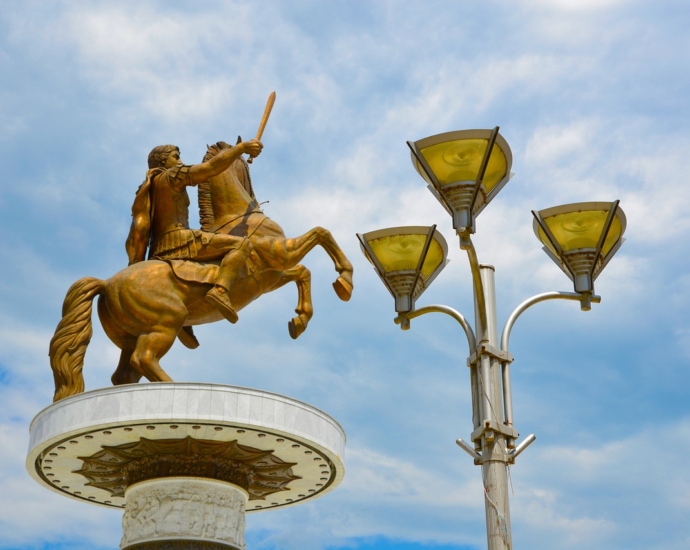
581	238
460	160
407	259
402	252
452	163
581	229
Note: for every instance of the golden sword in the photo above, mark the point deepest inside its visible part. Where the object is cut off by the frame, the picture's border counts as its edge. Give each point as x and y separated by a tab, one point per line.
264	119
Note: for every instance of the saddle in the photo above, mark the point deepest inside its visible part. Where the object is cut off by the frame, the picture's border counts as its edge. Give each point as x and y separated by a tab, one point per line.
196	272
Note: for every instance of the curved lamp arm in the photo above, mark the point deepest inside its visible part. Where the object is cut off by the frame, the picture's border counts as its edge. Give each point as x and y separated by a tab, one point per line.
404	320
524	306
467	245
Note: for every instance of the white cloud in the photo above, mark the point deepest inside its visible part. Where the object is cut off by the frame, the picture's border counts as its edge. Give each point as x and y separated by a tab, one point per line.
555	484
569	145
391	480
142	53
542	512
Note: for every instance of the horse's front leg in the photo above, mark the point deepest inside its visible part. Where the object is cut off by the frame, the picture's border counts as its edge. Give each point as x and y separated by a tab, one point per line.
304	310
285	253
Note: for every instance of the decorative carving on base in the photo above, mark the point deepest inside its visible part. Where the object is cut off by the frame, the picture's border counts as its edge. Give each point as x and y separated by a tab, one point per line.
175	509
258	472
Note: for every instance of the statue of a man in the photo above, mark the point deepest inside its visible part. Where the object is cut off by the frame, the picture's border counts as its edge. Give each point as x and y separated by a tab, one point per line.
160	218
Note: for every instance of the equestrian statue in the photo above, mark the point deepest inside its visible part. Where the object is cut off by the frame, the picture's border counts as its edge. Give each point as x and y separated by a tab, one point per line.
188	277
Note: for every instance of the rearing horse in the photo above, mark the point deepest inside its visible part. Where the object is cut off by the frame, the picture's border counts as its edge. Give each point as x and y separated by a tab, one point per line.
144	307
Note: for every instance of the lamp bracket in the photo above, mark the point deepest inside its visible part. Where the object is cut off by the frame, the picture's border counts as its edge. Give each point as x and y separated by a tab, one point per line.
469	450
496	455
436	308
521	447
403	321
524	306
485	348
494	427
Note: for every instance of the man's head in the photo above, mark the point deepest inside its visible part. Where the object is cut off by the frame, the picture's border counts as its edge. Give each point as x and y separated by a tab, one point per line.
164	156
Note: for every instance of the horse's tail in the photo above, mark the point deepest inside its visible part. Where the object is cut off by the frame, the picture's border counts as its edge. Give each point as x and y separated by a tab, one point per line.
72	335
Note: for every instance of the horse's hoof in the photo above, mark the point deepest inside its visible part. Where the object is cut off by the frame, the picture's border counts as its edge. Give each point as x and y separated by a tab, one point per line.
296	327
186	336
343	289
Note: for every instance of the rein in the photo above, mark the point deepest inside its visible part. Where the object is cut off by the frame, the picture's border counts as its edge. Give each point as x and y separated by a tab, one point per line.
217	229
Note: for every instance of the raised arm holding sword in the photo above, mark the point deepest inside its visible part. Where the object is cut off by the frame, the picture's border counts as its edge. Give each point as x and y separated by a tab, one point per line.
160	215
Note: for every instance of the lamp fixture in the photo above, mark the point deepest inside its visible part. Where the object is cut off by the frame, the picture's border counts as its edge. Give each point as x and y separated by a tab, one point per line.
407	259
581	238
465	170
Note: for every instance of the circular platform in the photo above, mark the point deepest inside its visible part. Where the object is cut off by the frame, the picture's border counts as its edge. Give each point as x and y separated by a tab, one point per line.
92	446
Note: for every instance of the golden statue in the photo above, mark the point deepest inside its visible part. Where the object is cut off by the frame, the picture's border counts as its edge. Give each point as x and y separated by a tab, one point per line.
192	277
160	219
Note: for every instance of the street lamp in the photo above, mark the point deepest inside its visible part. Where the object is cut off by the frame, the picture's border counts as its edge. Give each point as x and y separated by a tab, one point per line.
407	259
581	238
465	170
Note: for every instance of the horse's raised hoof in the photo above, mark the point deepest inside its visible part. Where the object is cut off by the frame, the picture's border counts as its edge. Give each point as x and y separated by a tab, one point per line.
343	289
296	327
186	336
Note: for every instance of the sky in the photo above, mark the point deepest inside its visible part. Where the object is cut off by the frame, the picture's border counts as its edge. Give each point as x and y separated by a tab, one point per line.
591	95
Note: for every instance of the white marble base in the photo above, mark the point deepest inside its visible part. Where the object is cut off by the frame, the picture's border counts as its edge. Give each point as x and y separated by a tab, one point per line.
184	509
81	425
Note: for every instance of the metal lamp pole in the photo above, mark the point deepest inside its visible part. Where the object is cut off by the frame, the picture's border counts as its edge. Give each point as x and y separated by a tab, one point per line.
495	433
581	238
494	436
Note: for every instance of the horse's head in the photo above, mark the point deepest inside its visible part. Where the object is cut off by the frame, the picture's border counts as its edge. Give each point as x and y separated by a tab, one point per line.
227	195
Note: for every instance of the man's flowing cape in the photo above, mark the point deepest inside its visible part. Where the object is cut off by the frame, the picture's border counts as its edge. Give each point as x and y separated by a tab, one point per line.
140	230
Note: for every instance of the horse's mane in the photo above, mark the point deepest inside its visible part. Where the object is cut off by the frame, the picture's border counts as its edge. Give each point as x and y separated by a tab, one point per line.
205	204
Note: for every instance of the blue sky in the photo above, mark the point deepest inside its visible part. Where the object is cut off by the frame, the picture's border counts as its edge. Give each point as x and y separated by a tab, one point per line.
591	95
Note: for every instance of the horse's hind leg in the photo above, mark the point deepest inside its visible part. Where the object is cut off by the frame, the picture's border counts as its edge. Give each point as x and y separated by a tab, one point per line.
149	349
125	373
304	310
280	254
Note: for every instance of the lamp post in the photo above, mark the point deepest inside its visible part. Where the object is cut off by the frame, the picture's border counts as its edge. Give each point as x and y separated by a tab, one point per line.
465	170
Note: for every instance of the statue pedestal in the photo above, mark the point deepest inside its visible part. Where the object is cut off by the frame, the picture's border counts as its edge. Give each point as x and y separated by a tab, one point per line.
184	510
185	461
